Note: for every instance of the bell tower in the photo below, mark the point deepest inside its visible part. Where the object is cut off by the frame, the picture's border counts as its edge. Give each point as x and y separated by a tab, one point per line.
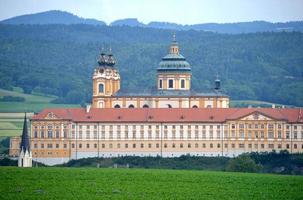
106	80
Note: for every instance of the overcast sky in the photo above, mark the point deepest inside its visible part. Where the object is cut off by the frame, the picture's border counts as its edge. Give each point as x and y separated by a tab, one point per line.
178	11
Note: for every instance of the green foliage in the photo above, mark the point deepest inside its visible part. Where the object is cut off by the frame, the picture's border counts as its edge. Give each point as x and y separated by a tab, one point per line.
12	99
59	60
242	163
92	183
273	162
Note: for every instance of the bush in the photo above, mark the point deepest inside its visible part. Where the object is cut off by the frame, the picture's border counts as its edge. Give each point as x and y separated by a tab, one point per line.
243	163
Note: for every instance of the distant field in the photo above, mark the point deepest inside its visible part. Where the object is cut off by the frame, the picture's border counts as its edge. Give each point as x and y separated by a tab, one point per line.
92	183
33	103
12	113
253	103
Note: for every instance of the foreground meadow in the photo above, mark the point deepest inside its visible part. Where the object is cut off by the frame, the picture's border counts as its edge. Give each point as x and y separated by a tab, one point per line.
92	183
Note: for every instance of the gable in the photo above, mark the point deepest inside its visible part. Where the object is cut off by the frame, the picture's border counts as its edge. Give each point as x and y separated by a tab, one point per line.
51	115
256	116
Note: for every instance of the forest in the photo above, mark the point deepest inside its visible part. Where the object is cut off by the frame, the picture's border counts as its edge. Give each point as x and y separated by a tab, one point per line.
59	60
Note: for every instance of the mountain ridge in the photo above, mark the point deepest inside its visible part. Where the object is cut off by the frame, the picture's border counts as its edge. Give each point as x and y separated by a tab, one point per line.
63	17
51	17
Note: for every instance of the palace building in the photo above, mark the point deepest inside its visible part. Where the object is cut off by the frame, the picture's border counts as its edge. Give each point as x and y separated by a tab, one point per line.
173	88
168	121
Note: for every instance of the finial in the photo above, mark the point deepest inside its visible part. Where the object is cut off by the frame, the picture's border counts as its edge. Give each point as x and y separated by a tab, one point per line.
110	50
174	37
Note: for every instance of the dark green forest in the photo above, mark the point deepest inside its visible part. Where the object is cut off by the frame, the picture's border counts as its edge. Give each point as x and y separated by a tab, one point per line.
59	60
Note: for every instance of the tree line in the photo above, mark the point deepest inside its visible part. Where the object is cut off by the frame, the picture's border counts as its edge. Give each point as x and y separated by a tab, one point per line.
60	59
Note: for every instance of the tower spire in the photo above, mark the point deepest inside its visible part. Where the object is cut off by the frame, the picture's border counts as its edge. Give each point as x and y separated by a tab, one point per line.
102	58
25	155
174	47
25	146
111	60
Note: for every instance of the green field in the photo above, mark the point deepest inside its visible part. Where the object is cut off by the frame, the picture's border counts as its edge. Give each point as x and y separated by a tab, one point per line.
93	183
254	103
32	103
12	113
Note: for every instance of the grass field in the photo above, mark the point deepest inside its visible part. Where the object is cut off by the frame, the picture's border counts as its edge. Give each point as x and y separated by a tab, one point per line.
93	183
12	113
32	103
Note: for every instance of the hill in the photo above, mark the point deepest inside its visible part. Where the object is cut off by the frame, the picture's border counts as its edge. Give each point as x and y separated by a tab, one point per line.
62	17
51	17
90	183
59	60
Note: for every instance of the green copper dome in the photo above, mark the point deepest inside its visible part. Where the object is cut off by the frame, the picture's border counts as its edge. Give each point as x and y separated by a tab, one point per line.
174	61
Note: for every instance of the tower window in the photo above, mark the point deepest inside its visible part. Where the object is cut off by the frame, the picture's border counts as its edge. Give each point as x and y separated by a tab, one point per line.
131	106
145	106
117	106
182	83
170	83
160	83
101	88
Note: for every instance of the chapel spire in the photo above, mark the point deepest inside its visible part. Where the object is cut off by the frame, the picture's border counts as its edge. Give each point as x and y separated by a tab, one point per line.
25	154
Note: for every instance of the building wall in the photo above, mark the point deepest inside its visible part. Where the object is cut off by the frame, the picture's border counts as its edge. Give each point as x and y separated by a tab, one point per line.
78	140
162	102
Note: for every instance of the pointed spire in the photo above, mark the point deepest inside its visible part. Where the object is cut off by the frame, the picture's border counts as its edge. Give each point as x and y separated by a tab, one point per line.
174	37
111	60
25	145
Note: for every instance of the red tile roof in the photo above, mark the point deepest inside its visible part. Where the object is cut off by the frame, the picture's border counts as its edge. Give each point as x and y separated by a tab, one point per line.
218	115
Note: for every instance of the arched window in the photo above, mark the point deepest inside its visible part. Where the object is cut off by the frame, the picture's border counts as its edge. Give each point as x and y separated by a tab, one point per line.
131	106
145	106
169	106
101	88
117	106
195	106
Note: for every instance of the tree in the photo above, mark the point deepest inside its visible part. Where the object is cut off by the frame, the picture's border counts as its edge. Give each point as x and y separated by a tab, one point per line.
243	163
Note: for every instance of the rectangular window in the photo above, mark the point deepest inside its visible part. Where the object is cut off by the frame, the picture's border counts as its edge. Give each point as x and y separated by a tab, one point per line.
57	134
65	133
182	83
50	134
270	135
35	134
42	134
160	84
170	83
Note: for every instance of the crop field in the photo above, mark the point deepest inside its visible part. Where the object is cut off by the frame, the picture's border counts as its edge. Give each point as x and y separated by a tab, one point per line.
32	103
94	183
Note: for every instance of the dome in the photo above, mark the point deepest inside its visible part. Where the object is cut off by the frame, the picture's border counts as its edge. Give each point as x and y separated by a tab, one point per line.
174	61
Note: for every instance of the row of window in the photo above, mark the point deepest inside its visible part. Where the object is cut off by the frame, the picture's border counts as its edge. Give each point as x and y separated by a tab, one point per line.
50	134
210	134
181	145
262	126
170	83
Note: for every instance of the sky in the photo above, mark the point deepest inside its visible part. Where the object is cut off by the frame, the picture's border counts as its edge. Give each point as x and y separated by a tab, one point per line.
177	11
